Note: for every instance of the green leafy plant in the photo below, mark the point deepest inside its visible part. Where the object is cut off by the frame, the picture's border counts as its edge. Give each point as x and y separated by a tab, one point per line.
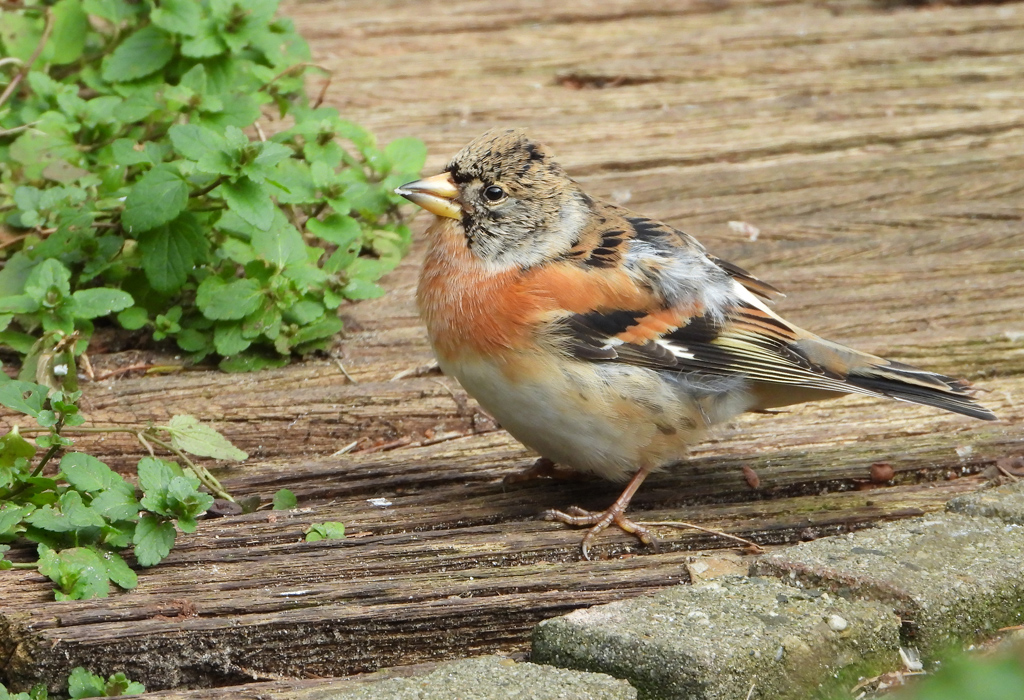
285	500
136	183
83	517
325	531
965	677
83	684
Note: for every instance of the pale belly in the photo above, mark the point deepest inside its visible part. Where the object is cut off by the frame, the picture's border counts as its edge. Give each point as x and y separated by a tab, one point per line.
605	418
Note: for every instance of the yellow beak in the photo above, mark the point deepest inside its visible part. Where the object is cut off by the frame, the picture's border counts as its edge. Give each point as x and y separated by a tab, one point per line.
435	194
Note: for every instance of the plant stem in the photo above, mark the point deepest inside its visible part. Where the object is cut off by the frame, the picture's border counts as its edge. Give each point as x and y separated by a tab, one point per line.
209	188
16	80
54	449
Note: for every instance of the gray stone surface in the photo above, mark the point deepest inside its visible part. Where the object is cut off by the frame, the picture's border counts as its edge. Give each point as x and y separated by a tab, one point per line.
951	578
716	640
488	677
1005	503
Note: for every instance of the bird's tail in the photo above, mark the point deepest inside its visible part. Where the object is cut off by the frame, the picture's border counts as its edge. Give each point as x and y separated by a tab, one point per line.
900	381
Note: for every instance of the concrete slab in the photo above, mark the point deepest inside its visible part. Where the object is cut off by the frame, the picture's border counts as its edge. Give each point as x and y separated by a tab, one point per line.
951	578
1005	503
716	641
492	677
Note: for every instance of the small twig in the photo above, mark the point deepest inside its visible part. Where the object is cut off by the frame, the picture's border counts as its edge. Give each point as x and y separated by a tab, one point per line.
145	443
394	444
87	367
345	372
323	92
683	526
345	450
750	693
16	80
123	370
420	371
16	239
259	131
17	129
1005	472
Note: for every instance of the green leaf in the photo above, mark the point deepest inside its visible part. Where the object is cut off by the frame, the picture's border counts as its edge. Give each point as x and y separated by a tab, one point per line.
228	338
115	11
83	684
153	540
118	571
154	477
186	502
195	142
128	152
324	328
117	503
285	500
67	39
86	473
23	397
133	319
69	515
93	303
200	439
251	201
170	252
78	572
10	517
141	54
280	245
340	230
19	304
155	199
325	531
407	155
178	16
118	684
49	283
228	301
251	362
362	289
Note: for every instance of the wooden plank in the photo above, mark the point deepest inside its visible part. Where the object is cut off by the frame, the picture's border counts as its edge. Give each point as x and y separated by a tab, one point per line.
878	152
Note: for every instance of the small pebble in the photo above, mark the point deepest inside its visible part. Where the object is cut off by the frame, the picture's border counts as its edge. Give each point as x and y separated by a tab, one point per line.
836	623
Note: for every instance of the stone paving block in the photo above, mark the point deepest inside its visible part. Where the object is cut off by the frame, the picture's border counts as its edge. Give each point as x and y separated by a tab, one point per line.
1005	503
492	677
714	641
951	578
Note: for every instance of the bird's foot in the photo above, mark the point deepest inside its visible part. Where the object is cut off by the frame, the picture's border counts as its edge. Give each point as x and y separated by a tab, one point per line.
543	468
615	515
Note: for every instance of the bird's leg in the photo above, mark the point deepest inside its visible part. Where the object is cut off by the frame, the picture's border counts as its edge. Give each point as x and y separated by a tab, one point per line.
615	513
543	468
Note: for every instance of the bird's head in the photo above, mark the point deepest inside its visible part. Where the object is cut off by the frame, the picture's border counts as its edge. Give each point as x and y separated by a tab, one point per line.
516	205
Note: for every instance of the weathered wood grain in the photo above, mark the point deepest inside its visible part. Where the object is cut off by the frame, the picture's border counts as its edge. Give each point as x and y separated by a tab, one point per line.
879	152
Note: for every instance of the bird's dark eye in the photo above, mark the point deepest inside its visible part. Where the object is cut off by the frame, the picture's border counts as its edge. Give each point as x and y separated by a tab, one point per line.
494	193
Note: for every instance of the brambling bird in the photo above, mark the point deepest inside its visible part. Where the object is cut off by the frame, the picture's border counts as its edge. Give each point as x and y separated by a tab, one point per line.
606	341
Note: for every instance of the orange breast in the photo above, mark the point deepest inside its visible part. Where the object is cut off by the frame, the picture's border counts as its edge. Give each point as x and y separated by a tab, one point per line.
469	307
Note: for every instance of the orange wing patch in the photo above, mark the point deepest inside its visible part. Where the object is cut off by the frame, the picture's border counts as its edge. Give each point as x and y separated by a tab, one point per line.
656	325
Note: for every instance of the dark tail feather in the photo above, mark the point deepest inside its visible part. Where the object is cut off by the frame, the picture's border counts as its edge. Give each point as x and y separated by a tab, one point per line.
906	383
